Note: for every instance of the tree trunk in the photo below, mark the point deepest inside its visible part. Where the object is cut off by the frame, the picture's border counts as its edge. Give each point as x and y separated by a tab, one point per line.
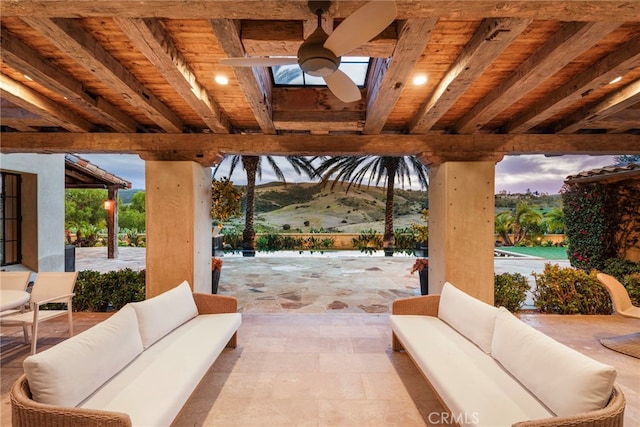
389	240
250	164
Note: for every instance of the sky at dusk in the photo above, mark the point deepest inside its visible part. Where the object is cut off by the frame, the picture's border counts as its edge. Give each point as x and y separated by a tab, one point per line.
514	174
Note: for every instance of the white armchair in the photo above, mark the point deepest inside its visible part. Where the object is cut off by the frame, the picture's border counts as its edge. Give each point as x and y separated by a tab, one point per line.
47	288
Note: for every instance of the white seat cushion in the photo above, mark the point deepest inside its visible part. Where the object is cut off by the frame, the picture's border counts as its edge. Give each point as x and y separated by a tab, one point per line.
154	387
471	317
474	387
67	373
566	380
161	314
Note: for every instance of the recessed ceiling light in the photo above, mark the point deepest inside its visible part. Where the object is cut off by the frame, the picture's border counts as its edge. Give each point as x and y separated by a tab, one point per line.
222	80
616	80
27	77
420	79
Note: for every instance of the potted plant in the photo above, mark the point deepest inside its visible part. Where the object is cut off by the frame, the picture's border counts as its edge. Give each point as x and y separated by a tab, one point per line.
216	267
225	203
421	233
422	267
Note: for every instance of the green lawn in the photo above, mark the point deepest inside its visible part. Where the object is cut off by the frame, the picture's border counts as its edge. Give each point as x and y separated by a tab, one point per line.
539	251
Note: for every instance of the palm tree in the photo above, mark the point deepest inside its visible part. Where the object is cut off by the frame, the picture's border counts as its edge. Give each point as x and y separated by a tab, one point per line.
253	167
525	219
355	170
555	221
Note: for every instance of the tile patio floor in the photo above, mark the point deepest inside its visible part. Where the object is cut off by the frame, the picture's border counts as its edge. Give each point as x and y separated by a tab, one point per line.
325	367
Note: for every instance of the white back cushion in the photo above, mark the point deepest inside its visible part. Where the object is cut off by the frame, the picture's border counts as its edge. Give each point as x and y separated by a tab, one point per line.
567	381
67	373
161	314
471	317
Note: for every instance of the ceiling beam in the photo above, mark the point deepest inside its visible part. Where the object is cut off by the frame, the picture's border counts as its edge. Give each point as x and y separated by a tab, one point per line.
42	106
574	10
387	80
254	82
205	148
617	63
611	104
71	38
490	39
150	37
571	40
283	38
25	60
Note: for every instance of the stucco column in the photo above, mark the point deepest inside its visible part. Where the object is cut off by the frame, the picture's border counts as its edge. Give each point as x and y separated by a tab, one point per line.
178	220
461	227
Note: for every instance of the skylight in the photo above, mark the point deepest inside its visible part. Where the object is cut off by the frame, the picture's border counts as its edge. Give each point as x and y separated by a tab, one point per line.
291	75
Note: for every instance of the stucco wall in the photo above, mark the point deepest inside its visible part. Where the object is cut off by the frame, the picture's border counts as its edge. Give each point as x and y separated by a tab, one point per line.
42	208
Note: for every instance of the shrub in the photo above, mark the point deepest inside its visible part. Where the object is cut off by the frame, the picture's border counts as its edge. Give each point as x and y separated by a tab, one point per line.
590	224
108	291
632	283
510	290
570	291
269	243
368	241
619	267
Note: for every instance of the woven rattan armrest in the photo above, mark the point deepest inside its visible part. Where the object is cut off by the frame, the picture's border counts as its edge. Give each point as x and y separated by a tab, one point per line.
611	415
426	305
25	412
214	304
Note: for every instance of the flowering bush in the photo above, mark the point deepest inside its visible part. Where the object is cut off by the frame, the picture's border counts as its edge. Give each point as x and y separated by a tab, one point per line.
420	264
590	222
216	264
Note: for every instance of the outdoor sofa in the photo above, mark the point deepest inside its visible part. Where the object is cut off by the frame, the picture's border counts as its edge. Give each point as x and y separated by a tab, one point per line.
489	368
139	367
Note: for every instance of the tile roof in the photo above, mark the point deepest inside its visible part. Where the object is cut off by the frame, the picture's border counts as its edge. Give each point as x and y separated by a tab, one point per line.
81	173
607	173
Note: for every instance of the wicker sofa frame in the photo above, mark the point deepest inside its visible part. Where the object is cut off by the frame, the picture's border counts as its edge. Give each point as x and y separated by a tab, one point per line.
612	415
25	412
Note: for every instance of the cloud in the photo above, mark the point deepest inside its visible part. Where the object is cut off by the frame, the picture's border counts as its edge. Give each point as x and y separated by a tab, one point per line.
129	167
514	174
517	174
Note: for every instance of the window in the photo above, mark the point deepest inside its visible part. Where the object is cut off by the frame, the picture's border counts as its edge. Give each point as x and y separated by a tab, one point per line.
355	67
10	219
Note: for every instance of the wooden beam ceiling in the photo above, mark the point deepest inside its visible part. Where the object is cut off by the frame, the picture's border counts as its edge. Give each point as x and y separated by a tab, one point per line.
69	36
27	61
150	38
205	148
42	106
575	10
491	38
566	44
390	77
255	82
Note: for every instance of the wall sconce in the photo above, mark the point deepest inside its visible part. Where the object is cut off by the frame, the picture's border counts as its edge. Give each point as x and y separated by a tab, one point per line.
108	204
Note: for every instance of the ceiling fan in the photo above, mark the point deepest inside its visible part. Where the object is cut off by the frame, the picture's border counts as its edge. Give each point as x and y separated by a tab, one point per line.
320	54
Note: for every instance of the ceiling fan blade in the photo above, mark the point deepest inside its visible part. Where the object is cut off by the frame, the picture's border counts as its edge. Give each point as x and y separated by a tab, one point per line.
343	87
258	62
361	26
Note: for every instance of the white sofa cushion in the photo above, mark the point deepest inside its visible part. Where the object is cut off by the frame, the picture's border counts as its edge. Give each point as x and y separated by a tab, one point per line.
161	314
66	374
567	381
154	388
474	387
471	317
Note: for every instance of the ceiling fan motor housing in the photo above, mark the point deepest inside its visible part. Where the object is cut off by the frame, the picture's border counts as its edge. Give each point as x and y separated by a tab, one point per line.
314	58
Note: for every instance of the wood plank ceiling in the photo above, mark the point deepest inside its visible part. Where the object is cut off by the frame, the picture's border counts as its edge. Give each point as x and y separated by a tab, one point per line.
503	77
